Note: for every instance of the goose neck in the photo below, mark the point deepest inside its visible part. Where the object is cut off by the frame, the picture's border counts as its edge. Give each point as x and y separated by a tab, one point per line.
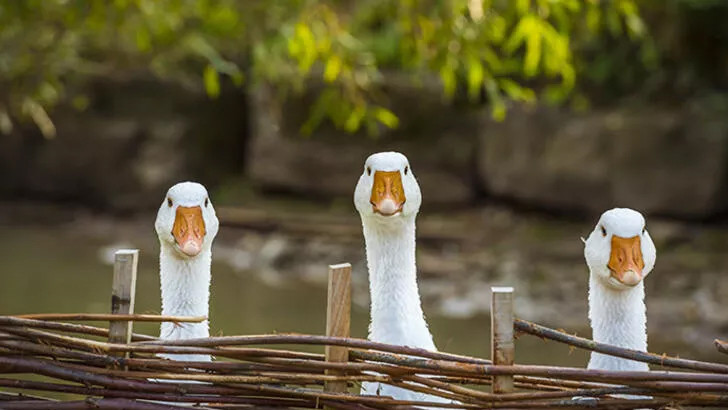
185	285
396	311
618	317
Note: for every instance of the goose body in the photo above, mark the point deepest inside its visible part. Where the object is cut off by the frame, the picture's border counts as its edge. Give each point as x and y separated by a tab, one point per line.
620	254
388	198
186	226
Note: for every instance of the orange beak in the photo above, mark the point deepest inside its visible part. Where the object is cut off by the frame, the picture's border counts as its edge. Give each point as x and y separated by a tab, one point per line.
625	260
189	229
387	193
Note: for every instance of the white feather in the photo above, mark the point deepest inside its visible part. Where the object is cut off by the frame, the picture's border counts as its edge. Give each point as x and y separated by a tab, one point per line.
396	310
184	280
617	312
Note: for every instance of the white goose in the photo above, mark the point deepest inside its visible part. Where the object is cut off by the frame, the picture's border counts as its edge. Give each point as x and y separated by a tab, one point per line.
620	254
388	199
186	225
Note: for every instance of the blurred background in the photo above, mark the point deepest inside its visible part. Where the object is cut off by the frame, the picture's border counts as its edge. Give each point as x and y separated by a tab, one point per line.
523	121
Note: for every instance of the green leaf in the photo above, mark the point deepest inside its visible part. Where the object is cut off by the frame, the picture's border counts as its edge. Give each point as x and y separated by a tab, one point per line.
449	82
613	22
80	102
386	117
238	78
40	117
320	109
354	120
498	111
476	73
307	47
523	6
6	124
533	53
495	99
635	26
516	91
333	68
593	18
522	30
143	40
212	81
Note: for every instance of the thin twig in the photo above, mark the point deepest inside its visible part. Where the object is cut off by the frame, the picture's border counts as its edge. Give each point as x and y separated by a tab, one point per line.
542	331
111	317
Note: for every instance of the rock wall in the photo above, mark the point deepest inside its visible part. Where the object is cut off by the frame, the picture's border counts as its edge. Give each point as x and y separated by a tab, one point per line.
135	140
667	161
139	137
439	140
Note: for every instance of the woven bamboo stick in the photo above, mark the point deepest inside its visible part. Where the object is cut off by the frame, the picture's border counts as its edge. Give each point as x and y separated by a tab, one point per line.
96	404
437	365
269	377
301	339
721	345
225	395
106	317
65	327
539	371
542	331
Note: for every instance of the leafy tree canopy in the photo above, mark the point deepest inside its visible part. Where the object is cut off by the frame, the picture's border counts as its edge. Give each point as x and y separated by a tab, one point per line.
500	50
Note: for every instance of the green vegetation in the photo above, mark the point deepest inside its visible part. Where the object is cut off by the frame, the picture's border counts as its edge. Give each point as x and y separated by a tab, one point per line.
482	50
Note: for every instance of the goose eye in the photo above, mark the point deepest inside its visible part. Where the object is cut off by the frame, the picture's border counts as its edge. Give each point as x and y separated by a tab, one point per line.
644	229
369	171
604	231
207	201
169	202
405	170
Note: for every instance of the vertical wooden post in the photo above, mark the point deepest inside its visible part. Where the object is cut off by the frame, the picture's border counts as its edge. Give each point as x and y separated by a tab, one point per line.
501	335
123	290
338	319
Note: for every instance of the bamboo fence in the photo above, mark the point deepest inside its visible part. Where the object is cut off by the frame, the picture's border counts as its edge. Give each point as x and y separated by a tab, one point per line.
48	362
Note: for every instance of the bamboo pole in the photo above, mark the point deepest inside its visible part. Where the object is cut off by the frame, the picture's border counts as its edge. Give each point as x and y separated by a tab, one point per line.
501	336
338	321
123	291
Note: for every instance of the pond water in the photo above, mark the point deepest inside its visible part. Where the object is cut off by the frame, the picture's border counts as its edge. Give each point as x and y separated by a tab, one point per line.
52	269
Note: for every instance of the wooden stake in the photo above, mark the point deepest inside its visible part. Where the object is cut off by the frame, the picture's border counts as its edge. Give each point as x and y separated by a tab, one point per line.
501	335
338	320
123	290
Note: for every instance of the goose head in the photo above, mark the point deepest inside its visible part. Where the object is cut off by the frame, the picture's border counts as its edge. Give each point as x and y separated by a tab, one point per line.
619	251
387	189
186	221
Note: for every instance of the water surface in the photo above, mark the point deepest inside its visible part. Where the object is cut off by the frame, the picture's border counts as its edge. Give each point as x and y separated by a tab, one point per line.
52	269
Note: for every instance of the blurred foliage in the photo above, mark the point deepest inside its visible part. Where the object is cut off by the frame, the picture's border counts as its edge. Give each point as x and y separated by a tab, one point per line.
483	50
684	52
